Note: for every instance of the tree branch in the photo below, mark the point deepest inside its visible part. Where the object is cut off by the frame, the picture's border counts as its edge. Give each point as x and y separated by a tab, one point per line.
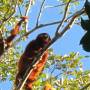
19	10
64	17
59	5
27	13
38	18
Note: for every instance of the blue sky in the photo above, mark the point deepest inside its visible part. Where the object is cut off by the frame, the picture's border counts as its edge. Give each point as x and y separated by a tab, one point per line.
68	43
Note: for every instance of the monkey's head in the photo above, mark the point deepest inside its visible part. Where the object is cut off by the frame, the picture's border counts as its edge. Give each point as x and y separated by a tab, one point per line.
43	39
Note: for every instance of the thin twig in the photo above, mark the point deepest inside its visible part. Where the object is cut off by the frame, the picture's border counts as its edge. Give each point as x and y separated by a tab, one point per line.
27	14
20	10
64	17
56	6
39	15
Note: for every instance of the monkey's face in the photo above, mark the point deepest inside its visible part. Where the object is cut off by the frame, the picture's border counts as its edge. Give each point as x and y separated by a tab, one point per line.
44	38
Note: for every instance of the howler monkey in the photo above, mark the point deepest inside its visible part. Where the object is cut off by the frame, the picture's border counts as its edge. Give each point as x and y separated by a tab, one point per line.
31	51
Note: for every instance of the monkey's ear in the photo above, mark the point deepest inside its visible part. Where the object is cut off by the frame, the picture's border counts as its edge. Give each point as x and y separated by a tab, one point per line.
85	24
85	42
87	8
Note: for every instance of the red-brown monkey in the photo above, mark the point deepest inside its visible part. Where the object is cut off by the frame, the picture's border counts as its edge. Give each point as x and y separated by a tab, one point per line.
31	51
